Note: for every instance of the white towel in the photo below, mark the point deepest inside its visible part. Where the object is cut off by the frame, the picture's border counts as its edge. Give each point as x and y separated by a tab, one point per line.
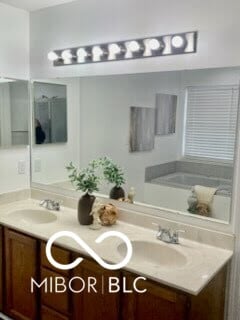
204	194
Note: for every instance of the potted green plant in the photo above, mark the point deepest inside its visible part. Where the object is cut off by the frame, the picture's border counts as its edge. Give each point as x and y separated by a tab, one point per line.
87	181
113	174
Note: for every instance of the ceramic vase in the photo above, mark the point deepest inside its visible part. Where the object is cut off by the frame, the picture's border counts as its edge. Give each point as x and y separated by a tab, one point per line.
84	209
117	193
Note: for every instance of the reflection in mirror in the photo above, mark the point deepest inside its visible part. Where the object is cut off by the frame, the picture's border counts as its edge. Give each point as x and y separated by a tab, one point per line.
50	113
14	110
172	133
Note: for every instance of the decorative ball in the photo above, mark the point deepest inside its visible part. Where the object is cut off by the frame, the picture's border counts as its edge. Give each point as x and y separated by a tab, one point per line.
108	214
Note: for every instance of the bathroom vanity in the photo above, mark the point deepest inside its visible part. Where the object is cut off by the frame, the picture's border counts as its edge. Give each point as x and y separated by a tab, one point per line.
22	261
179	290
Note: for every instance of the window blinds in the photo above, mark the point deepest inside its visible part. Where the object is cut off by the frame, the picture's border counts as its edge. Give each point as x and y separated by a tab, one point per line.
211	120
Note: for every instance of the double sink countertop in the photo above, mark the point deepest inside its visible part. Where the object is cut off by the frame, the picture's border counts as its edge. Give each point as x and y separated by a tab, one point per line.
188	266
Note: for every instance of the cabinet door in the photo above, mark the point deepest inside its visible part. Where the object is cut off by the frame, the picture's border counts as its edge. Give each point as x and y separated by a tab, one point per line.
20	265
210	302
60	255
49	314
57	301
92	305
1	268
157	303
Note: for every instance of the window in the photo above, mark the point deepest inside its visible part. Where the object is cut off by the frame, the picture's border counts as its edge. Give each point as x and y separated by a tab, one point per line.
211	120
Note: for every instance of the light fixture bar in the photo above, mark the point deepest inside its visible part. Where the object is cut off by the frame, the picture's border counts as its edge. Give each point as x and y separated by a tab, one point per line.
171	44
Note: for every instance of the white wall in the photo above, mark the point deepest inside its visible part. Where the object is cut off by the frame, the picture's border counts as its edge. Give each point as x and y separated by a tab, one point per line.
14	63
10	179
14	42
94	21
105	121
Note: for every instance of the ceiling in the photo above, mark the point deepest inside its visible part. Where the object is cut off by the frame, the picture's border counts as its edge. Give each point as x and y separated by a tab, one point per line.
32	5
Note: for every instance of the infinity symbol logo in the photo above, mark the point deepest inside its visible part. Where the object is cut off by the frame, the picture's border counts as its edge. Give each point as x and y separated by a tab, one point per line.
93	254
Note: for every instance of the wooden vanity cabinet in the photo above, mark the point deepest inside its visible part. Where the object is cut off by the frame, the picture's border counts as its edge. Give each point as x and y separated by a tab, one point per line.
50	314
164	303
20	264
98	303
158	303
209	303
57	306
24	257
1	269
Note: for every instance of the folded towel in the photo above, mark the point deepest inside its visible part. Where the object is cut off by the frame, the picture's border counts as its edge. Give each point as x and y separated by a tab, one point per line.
204	194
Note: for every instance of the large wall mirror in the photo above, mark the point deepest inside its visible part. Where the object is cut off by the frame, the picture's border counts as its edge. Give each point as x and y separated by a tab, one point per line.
14	112
172	133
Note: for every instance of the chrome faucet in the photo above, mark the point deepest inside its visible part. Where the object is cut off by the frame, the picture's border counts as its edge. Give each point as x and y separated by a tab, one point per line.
50	204
168	236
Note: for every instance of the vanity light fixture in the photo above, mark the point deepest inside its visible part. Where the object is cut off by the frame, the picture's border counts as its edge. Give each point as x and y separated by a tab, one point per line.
52	56
178	41
97	52
171	44
66	54
154	44
82	54
134	46
114	48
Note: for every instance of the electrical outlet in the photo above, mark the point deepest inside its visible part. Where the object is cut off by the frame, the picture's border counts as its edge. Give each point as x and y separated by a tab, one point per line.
21	167
37	165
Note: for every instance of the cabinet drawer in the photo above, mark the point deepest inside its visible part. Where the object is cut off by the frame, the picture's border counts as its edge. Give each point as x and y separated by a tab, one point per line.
60	255
49	314
58	301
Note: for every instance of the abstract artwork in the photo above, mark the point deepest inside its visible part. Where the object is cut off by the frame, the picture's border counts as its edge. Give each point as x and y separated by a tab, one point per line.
142	129
166	109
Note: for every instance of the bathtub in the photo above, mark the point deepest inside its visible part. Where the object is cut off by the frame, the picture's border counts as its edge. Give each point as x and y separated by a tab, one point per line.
188	180
169	185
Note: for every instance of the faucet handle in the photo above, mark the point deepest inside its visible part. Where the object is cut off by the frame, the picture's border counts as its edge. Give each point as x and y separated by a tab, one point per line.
175	235
42	202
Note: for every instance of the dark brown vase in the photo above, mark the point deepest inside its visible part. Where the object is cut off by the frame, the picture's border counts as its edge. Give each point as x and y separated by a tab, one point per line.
117	193
84	209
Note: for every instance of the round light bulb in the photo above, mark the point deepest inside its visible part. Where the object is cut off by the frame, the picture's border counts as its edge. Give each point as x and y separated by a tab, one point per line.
114	48
82	53
134	46
97	51
177	41
67	55
154	44
52	56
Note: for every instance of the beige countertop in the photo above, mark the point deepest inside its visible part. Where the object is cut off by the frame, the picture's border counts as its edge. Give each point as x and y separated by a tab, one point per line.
202	262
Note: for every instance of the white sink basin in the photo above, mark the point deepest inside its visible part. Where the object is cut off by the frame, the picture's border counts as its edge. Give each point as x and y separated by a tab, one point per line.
33	216
154	254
